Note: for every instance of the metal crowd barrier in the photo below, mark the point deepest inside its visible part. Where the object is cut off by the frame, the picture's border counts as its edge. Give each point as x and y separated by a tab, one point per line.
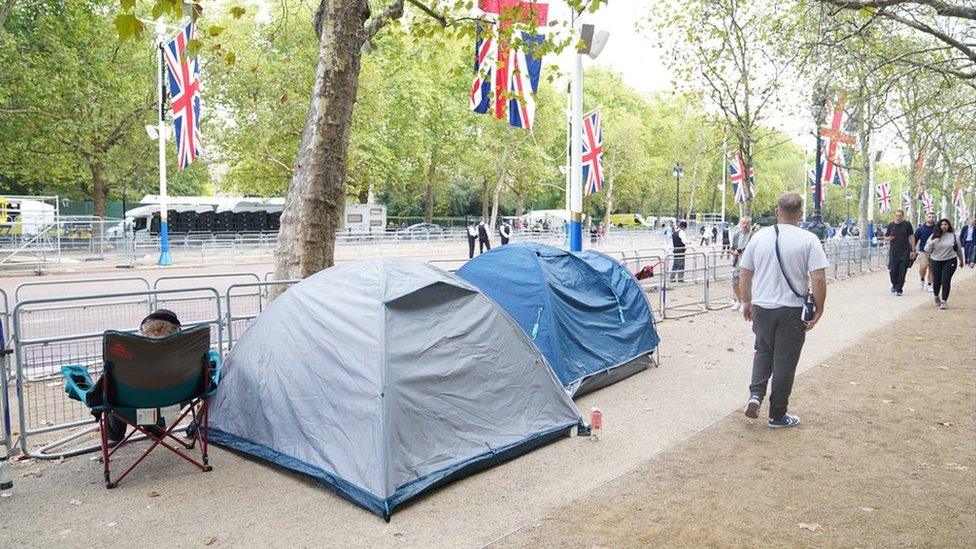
6	431
65	286
244	302
718	283
54	332
650	285
688	278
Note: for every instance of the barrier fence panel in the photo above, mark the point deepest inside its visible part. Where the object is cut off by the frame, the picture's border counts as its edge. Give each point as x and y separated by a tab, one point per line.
53	332
244	302
653	283
77	286
193	309
684	291
718	284
6	430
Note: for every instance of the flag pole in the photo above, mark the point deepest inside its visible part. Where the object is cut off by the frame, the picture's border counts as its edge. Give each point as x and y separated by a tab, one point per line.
165	259
575	142
724	168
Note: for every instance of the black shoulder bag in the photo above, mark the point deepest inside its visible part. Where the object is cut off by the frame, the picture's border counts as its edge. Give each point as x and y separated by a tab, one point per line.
809	310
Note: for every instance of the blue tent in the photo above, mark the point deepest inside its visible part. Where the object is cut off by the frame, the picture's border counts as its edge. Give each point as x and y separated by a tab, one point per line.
584	311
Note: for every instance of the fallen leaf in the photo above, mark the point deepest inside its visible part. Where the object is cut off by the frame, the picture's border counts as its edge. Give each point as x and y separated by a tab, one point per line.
812	526
943	367
33	473
867	509
209	540
886	401
154	494
911	409
854	383
111	525
946	423
75	502
730	349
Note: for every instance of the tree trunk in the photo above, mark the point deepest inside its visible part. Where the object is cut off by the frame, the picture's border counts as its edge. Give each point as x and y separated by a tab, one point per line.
99	194
485	199
316	195
494	197
866	190
429	203
519	204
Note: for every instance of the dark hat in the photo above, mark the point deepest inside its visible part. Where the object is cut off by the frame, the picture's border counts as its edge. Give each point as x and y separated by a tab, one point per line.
162	314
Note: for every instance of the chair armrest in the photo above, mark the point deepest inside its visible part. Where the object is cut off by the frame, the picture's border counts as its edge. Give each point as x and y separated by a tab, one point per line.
213	357
78	384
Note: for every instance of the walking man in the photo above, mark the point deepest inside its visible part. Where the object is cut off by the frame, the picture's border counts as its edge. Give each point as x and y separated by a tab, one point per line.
679	242
901	251
483	241
505	232
739	243
968	237
922	235
472	236
780	262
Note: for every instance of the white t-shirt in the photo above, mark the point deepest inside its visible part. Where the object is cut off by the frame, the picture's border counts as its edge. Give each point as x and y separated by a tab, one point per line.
801	253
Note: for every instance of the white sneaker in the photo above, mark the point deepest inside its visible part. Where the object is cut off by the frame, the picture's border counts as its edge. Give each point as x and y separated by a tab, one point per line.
736	306
921	285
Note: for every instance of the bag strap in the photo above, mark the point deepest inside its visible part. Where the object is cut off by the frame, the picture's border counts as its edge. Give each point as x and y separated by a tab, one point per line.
781	269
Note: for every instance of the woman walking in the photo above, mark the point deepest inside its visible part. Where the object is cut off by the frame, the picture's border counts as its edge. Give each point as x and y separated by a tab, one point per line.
946	256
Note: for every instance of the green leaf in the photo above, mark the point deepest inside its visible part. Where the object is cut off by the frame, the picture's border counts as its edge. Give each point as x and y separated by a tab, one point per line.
128	26
193	46
127	5
237	12
158	10
230	58
215	30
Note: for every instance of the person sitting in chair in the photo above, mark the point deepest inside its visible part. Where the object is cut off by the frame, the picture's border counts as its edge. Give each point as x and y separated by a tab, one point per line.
157	325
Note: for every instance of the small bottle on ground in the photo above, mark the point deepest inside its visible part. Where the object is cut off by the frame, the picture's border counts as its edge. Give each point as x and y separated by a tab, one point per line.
596	423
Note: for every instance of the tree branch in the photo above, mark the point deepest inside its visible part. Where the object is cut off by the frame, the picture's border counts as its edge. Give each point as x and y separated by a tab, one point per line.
392	12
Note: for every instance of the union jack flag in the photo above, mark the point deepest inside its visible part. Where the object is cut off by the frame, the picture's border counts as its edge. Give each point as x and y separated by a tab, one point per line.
884	197
506	78
906	200
183	72
835	141
592	153
839	177
736	170
927	201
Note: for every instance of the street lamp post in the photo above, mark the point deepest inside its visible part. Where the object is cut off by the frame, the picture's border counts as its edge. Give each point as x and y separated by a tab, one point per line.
849	197
817	226
677	190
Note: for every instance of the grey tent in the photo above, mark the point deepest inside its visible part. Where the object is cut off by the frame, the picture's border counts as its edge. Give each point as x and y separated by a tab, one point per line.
385	378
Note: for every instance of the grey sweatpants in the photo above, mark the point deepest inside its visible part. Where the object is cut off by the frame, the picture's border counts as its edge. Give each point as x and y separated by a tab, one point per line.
779	339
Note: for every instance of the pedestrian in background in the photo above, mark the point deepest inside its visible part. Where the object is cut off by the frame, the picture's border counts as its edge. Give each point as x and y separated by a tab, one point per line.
901	251
505	232
946	250
968	238
739	243
922	235
726	241
483	240
679	243
472	237
779	264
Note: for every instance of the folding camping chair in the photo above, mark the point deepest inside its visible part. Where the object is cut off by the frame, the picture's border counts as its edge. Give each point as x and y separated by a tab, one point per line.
151	385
